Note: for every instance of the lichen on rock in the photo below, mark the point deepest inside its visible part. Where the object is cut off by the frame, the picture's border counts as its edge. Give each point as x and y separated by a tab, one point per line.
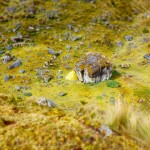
93	67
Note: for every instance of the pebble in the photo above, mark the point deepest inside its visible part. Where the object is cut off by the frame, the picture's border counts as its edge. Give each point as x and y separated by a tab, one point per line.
18	88
60	71
105	131
53	52
119	44
128	38
147	56
6	58
62	94
15	64
22	71
46	102
9	47
7	77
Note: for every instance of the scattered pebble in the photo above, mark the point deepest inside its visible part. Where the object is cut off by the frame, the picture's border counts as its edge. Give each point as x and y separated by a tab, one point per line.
105	131
7	77
62	94
15	64
46	102
128	38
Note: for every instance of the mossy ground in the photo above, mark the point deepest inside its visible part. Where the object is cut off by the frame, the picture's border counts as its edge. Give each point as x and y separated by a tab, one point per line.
33	127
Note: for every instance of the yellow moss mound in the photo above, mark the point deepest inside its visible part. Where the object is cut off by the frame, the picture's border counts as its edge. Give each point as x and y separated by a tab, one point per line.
71	76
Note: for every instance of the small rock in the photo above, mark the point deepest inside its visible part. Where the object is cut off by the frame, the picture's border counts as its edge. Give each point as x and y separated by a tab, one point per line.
68	47
129	37
22	71
7	77
18	88
125	66
147	56
11	9
70	27
46	102
53	52
18	26
105	131
6	58
62	94
76	38
9	47
15	64
18	38
44	74
1	51
119	44
60	71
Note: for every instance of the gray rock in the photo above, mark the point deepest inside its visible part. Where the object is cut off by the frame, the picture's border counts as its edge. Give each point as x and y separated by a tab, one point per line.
18	88
7	77
18	38
15	64
9	47
18	26
76	38
147	56
129	38
1	51
46	102
22	71
44	74
6	58
68	47
11	9
62	94
119	44
93	68
105	131
60	71
53	52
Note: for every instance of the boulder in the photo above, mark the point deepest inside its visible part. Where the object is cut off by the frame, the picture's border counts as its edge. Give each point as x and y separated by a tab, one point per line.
93	68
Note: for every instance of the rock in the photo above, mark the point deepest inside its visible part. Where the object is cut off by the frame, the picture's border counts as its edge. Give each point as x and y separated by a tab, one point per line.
11	9
129	37
46	102
125	66
93	68
9	47
6	58
62	94
147	56
18	88
22	71
44	74
2	51
15	64
72	76
76	38
70	27
119	44
18	26
60	72
68	47
18	38
53	52
105	131
7	77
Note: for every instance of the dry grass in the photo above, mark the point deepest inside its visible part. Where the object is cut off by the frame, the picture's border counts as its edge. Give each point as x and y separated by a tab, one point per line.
129	119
